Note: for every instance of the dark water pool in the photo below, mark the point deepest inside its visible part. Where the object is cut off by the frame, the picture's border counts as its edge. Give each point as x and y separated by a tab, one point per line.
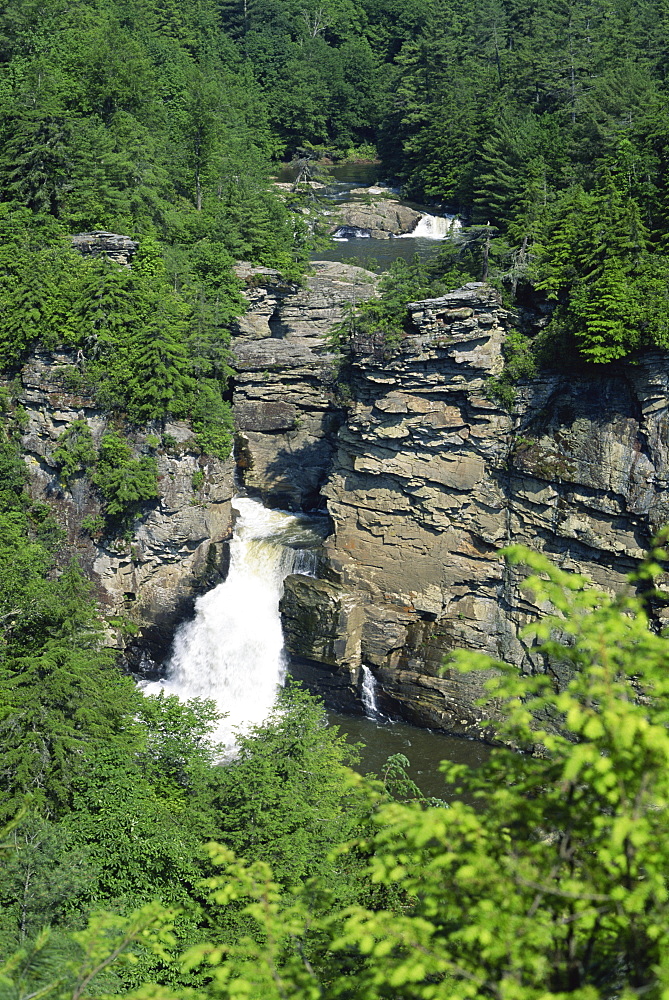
424	748
347	174
378	254
366	252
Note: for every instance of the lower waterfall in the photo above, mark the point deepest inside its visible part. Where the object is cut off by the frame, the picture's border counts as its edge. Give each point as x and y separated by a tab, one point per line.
232	650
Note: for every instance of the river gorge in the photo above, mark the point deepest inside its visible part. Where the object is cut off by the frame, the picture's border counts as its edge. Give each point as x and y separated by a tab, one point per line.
412	475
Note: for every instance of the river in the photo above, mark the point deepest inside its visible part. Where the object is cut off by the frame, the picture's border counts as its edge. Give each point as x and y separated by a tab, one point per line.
424	748
366	251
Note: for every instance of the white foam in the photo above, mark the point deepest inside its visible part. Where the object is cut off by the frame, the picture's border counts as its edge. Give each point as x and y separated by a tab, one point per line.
433	227
232	650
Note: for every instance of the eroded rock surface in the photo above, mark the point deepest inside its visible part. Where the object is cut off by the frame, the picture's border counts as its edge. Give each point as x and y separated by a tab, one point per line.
285	401
119	249
178	542
381	218
431	478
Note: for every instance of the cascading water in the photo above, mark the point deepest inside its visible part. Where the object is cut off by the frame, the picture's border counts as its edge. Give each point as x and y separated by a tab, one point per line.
433	227
368	694
351	233
232	650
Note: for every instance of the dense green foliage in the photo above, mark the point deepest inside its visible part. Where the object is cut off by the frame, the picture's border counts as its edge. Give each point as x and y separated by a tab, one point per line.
553	886
112	793
546	125
122	480
115	792
147	121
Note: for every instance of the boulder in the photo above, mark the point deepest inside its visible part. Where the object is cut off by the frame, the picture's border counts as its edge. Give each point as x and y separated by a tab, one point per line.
381	218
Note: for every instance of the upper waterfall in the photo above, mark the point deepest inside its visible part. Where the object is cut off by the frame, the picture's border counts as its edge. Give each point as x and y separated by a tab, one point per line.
433	227
232	650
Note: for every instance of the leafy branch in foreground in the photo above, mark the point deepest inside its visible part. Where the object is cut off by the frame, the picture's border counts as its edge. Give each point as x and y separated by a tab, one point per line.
552	885
557	885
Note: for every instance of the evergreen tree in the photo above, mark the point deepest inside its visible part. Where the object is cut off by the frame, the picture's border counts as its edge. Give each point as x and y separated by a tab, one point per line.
595	263
124	482
37	161
107	309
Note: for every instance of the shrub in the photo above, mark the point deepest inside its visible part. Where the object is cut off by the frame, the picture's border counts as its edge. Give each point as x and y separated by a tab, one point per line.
124	482
75	451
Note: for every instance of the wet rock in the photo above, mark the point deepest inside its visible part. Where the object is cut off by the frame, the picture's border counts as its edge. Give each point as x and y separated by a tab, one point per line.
381	218
322	625
322	621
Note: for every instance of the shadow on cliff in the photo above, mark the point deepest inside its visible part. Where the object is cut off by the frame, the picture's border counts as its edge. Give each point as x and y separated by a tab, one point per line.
295	476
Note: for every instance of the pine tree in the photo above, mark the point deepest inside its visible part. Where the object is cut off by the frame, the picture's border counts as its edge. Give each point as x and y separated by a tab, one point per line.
596	264
107	308
37	161
160	383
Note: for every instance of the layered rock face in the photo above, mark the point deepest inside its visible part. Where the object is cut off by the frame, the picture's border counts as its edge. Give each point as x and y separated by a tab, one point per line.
431	479
417	514
285	401
424	478
119	249
179	541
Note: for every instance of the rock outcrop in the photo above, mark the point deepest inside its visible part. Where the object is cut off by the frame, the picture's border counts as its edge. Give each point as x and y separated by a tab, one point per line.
431	478
417	514
119	249
423	475
381	218
285	401
178	542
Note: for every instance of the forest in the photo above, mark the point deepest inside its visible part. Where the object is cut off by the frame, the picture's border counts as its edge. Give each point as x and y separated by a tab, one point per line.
133	864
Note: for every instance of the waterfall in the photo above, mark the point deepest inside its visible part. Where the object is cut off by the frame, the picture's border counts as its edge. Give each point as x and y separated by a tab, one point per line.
232	650
432	227
368	693
351	233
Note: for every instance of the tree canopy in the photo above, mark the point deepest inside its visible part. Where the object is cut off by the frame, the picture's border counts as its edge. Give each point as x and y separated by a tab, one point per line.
549	882
545	125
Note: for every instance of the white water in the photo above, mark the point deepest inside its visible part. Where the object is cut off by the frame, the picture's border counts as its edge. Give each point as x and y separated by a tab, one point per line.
368	694
432	227
232	651
351	232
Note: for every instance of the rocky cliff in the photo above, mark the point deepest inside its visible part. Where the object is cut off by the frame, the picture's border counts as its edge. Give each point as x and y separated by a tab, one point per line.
418	514
178	543
423	475
286	405
426	478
